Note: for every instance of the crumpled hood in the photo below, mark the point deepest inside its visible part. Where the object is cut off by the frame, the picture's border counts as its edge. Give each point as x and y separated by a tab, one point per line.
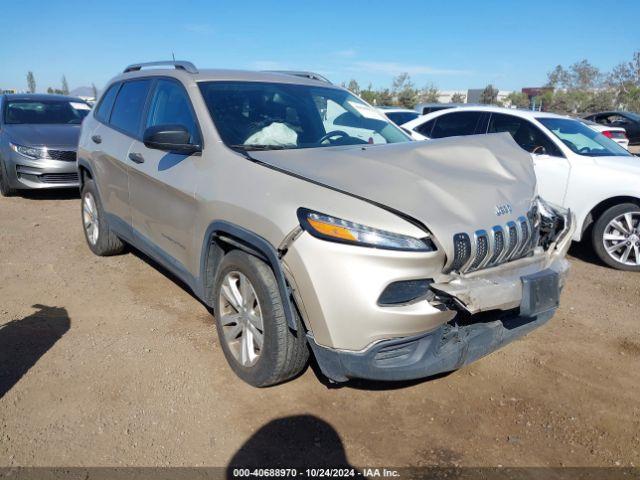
45	135
450	185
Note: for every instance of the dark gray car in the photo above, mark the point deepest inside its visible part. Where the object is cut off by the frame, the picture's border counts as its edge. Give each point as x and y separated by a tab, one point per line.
38	141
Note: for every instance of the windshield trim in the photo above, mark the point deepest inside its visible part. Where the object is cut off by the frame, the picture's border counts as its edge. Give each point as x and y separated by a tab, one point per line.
240	147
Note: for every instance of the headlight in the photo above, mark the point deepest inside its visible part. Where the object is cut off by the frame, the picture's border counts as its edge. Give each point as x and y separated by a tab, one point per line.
343	231
30	152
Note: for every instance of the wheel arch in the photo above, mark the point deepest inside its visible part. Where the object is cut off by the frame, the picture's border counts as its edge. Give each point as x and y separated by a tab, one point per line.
84	171
604	205
222	236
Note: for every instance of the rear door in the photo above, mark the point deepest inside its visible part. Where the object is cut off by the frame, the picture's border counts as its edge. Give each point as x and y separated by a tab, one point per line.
551	166
109	147
162	184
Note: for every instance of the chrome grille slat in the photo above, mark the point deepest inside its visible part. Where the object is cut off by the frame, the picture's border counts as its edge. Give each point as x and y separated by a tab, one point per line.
498	245
503	243
481	251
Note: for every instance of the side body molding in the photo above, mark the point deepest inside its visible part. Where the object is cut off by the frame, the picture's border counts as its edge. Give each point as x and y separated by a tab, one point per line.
253	243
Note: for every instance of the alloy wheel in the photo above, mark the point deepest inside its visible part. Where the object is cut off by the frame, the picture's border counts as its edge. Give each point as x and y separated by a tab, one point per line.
622	238
90	218
241	318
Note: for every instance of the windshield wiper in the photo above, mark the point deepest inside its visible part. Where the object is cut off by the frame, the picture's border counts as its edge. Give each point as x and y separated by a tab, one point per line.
258	146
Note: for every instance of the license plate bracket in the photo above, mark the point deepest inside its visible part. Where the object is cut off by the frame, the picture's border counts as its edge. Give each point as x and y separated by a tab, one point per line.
540	293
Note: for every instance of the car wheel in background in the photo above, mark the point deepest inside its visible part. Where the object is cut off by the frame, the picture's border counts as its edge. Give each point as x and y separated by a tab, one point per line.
252	327
6	190
616	237
101	240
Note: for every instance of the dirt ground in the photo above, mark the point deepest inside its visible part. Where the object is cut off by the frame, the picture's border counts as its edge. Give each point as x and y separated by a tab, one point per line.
107	361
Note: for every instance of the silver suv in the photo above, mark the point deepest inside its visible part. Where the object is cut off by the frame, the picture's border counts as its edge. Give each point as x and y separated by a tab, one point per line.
310	224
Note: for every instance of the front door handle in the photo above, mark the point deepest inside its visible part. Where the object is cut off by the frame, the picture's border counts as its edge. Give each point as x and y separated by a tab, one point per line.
96	139
136	157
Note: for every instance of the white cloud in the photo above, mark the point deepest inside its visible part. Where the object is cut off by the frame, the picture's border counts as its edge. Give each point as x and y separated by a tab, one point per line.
393	68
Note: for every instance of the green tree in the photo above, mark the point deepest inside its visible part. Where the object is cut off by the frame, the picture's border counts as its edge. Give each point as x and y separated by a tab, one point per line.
579	76
49	90
369	95
384	97
558	77
353	87
31	82
404	91
65	86
429	94
519	100
624	80
458	98
584	76
489	95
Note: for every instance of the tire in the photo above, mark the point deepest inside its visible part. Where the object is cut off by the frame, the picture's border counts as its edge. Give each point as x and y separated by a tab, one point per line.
6	190
624	233
101	240
282	354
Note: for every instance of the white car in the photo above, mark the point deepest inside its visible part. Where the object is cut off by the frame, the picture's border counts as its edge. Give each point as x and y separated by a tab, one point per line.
617	134
399	115
577	168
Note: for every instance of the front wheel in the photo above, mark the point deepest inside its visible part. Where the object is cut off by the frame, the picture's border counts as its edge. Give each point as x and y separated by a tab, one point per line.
616	237
252	327
6	190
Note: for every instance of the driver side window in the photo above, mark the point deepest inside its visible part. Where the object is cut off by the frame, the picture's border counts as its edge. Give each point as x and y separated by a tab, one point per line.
170	105
526	134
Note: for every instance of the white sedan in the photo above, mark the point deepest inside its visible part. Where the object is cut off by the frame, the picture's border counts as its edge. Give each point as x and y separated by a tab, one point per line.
577	168
617	134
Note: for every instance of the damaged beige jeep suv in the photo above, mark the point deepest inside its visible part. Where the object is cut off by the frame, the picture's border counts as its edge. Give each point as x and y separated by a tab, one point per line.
311	225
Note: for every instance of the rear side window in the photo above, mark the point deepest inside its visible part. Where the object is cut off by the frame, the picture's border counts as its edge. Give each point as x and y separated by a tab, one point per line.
170	105
426	128
106	103
400	118
128	107
525	133
456	124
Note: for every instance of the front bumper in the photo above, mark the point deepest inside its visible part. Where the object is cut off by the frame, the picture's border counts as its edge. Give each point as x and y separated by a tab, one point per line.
445	349
24	173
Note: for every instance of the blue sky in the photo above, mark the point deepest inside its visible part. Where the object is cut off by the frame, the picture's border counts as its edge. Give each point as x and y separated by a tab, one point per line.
454	44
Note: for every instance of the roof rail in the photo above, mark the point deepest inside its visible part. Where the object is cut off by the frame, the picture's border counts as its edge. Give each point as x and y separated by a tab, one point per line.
178	64
303	74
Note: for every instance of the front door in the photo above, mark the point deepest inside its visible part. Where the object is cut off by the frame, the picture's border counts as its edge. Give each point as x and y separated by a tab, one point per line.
162	184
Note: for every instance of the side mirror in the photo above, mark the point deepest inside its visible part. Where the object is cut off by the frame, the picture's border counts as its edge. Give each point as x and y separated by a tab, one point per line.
170	138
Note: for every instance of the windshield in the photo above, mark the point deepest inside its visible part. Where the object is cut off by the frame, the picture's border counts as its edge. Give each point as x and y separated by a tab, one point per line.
45	112
267	116
400	118
582	139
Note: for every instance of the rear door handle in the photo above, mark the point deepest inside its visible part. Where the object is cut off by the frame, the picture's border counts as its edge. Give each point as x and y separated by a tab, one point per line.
136	157
96	139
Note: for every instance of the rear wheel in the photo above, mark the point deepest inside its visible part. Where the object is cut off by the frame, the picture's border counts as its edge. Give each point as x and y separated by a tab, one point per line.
101	240
252	327
616	237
